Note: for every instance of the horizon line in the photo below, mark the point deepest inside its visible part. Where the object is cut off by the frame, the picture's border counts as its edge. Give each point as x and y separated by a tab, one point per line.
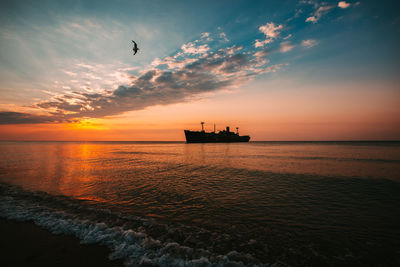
182	141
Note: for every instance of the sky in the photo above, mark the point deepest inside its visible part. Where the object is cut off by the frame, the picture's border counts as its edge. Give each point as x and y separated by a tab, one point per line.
278	70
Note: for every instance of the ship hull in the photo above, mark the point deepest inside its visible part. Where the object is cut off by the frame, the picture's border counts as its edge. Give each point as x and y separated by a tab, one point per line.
203	137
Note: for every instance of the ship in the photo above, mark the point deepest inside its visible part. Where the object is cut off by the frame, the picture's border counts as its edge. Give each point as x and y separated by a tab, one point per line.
224	136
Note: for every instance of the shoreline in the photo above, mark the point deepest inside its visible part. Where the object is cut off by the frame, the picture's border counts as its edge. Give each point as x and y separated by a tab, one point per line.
26	244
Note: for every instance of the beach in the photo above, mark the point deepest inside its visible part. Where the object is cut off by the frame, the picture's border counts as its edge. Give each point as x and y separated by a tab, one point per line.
26	244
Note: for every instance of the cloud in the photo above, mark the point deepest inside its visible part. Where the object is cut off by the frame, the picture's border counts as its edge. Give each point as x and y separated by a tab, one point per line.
309	43
70	73
259	43
343	4
222	35
86	66
9	117
172	63
312	19
287	37
191	48
174	79
322	10
271	30
286	47
205	35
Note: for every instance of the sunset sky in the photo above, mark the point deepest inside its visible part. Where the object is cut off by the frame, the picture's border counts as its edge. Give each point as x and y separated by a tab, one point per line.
278	70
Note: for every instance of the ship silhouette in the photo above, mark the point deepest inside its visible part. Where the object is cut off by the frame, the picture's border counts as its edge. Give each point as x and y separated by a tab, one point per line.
224	136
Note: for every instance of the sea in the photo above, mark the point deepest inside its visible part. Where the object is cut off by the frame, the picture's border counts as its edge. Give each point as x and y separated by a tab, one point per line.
221	204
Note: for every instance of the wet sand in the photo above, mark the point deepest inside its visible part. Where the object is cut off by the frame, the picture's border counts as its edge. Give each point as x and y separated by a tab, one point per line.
26	244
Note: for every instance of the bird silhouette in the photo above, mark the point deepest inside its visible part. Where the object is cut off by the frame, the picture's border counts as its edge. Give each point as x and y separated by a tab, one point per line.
135	47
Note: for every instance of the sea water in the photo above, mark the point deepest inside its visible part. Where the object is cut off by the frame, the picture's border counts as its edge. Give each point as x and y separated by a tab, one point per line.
238	204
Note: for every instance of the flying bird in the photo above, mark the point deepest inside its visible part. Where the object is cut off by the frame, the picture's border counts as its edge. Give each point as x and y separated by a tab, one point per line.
135	48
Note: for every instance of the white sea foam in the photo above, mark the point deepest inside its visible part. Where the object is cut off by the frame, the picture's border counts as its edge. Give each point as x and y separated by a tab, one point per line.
136	248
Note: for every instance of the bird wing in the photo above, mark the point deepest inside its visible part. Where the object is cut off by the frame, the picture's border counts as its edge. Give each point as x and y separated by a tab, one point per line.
135	47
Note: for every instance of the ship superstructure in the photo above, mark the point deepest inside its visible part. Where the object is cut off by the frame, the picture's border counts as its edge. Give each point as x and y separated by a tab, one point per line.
224	136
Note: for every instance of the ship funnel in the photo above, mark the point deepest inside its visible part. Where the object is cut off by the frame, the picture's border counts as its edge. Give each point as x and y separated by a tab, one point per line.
202	126
237	130
227	129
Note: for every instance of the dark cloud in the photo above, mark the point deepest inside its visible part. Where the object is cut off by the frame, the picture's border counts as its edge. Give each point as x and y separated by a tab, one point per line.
7	117
202	73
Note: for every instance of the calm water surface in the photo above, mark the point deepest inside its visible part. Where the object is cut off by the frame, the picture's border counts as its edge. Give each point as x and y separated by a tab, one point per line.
183	204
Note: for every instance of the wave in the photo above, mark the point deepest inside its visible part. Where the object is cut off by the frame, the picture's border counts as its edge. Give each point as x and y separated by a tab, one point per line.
138	241
377	160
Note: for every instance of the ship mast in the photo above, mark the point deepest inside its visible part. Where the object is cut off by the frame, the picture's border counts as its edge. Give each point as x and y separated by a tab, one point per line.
214	127
237	130
202	126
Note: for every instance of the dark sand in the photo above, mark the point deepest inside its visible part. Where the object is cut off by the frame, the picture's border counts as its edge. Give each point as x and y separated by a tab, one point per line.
26	244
